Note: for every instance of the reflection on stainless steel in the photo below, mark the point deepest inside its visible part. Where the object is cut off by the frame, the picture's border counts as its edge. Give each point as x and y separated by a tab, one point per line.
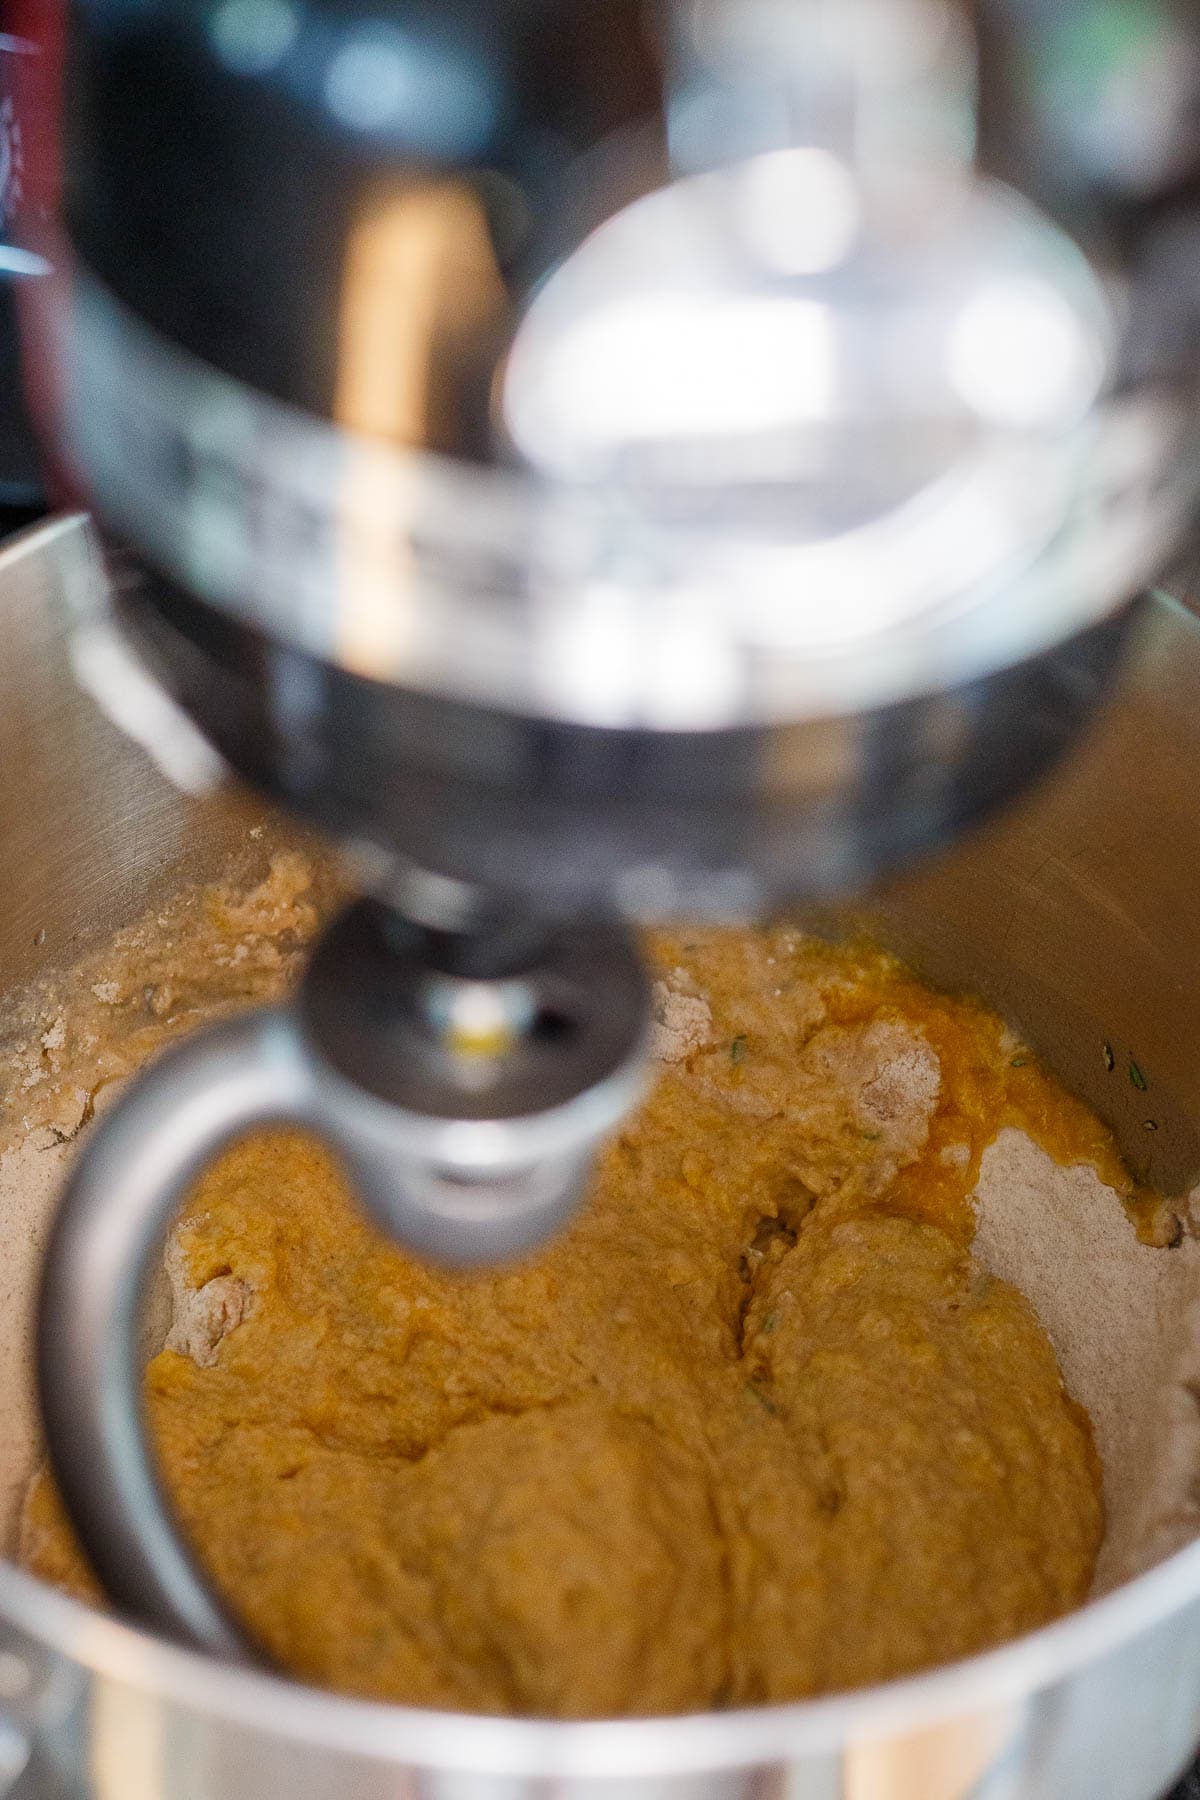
889	82
764	593
420	280
880	472
1108	92
253	36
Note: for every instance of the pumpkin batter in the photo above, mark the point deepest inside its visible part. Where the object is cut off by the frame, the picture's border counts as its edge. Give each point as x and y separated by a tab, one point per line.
758	1427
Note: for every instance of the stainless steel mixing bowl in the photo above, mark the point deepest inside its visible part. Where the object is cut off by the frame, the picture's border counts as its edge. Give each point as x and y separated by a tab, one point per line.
1078	916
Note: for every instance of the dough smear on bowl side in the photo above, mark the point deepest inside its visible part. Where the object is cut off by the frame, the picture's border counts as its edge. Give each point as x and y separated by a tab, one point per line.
762	1425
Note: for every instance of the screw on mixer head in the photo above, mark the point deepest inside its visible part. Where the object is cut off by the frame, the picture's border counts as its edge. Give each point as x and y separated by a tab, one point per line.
468	1076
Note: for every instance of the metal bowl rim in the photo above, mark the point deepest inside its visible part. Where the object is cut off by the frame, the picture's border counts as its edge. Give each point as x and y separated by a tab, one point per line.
687	1744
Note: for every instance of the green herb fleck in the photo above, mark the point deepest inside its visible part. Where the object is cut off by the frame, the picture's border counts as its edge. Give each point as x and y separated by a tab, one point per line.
767	1404
737	1049
1138	1079
1018	1062
769	1324
871	1137
1110	1061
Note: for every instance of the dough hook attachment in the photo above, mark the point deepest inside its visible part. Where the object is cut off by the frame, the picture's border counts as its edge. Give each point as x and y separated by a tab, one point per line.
464	1079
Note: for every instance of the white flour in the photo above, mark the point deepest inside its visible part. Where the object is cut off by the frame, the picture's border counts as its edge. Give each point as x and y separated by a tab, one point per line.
1116	1313
30	1179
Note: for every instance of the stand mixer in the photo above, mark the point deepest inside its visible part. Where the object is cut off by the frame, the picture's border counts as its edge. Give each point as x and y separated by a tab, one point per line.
599	467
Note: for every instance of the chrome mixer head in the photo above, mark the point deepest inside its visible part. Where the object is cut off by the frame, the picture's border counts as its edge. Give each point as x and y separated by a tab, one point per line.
679	519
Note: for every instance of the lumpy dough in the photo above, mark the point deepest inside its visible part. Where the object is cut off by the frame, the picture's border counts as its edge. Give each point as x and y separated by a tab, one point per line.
758	1427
